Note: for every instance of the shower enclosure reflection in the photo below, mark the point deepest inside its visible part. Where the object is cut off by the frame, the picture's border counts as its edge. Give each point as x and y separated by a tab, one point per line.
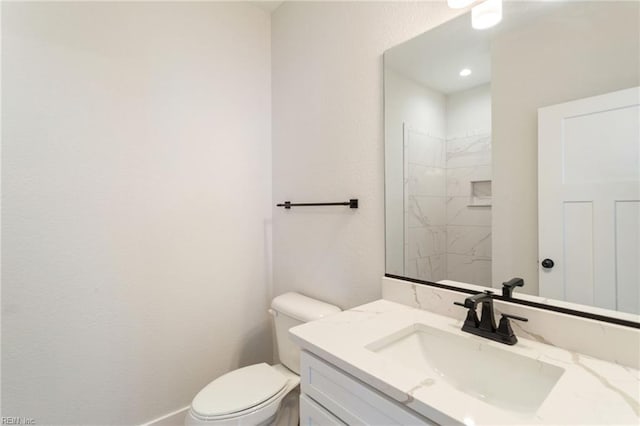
438	118
447	182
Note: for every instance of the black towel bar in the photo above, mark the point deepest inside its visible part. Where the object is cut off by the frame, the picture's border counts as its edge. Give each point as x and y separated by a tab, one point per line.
352	203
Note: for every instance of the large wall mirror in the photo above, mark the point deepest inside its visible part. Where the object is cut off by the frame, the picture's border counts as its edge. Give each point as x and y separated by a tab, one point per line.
515	152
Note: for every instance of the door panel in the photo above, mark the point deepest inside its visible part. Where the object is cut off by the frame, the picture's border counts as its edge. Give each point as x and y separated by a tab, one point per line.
578	219
628	255
588	197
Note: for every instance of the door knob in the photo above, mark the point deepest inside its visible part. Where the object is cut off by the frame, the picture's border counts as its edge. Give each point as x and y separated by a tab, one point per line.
547	263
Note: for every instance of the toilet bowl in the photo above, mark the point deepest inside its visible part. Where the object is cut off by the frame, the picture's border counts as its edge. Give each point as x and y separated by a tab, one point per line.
262	394
248	396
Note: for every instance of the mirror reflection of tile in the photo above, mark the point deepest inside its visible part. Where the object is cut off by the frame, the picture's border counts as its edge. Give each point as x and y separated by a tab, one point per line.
448	220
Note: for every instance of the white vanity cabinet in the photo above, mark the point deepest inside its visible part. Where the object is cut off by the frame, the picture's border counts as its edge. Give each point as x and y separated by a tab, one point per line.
329	396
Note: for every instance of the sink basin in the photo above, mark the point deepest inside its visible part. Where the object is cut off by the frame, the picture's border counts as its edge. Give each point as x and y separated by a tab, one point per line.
494	375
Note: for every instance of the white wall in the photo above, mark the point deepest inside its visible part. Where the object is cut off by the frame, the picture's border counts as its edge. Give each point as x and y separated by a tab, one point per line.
136	205
577	61
469	112
328	140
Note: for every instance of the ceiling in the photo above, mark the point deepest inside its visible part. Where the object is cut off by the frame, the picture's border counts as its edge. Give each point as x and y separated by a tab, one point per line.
436	57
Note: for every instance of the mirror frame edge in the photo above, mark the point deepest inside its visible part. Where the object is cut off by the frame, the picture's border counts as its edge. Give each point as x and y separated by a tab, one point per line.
545	306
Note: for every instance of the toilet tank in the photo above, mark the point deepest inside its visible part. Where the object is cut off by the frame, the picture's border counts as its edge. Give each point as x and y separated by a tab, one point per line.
289	310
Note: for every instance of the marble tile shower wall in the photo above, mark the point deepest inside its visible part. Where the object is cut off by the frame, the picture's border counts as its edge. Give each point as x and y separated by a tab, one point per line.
468	228
425	205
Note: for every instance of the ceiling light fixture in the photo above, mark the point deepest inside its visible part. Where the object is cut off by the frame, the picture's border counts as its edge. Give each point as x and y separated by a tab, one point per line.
459	4
486	14
465	72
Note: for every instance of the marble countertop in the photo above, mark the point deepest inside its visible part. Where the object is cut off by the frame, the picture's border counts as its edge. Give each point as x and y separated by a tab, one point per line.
590	391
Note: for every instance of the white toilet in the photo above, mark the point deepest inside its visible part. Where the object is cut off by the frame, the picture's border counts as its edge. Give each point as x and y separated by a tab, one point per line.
262	394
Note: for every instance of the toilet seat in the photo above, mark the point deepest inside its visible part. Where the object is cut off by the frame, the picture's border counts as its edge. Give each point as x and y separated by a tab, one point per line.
249	395
238	391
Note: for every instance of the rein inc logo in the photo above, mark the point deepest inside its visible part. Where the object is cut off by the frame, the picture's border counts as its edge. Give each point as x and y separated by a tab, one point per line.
18	421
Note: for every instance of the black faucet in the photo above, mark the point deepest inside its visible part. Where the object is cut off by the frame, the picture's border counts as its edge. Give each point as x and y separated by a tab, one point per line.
486	325
507	287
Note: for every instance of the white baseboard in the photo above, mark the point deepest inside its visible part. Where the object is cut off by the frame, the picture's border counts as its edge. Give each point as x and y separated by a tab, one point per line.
175	418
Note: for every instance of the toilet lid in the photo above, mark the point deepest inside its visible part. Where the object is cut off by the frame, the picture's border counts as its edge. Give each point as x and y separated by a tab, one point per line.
238	390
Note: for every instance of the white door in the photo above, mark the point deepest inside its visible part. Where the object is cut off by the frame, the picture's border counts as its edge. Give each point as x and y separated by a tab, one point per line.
589	201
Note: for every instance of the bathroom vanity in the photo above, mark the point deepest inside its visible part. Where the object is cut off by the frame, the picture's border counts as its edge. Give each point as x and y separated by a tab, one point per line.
389	363
330	396
464	203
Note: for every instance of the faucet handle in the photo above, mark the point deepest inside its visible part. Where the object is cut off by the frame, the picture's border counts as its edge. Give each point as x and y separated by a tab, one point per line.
472	319
505	331
515	317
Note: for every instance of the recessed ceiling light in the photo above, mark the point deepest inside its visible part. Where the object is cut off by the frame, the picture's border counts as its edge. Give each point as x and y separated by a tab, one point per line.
465	72
486	14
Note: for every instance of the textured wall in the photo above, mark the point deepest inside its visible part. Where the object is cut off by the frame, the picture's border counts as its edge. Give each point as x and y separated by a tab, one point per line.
136	185
328	140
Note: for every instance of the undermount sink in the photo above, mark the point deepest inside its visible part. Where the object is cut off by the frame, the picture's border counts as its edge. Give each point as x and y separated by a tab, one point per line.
494	375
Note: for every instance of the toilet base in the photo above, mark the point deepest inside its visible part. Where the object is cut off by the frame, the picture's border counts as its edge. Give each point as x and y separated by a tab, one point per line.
289	412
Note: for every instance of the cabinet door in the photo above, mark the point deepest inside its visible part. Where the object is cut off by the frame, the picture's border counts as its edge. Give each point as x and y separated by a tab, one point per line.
350	400
312	414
